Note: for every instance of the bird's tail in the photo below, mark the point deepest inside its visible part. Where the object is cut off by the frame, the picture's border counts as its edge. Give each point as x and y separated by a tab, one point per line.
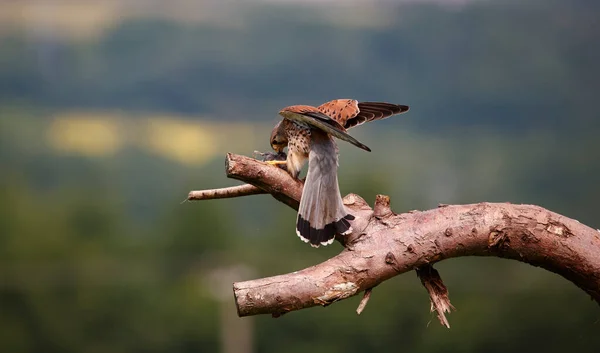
322	214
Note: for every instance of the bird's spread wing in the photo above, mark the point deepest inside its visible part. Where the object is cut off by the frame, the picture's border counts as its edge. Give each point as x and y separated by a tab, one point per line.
316	119
350	112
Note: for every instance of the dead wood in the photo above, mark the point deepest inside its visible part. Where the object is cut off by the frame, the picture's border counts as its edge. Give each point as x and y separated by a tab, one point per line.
385	244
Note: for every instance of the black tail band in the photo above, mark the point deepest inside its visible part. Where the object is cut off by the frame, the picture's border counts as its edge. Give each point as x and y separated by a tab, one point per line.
324	235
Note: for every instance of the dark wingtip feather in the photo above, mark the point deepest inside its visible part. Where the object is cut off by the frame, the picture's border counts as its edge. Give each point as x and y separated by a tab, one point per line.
400	108
366	148
371	111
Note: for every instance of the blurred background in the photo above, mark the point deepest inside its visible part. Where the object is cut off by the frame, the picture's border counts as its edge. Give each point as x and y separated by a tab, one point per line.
111	111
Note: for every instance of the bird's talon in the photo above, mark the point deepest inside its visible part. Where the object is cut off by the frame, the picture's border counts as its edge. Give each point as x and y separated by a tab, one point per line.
276	163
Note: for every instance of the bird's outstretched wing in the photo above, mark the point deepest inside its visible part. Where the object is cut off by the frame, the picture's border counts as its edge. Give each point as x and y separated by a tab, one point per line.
349	112
316	119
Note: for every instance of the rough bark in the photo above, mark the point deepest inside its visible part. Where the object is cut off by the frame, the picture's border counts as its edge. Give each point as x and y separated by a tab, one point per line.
224	193
268	178
385	244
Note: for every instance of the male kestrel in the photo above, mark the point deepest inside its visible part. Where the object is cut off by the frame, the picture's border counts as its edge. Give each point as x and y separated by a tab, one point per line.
307	131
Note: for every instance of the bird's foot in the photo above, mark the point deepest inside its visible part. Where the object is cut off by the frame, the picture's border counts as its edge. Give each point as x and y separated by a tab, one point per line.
276	163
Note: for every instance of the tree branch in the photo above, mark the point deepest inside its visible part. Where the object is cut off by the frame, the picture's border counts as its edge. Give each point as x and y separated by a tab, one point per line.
268	178
385	244
364	300
224	193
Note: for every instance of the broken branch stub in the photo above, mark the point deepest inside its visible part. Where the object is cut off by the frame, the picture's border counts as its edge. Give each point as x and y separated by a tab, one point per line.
438	293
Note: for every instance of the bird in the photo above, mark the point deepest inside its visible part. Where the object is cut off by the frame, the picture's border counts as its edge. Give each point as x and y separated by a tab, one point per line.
307	132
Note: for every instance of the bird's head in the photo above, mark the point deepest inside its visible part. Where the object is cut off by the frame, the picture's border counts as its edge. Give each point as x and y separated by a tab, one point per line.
278	139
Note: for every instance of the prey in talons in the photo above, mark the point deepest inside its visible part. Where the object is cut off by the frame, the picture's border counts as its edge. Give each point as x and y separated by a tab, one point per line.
276	159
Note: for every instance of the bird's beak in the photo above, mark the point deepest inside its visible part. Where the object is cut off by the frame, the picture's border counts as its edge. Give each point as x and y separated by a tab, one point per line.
277	148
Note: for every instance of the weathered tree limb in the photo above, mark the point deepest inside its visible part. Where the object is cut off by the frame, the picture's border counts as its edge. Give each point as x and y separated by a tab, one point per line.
224	193
385	244
267	180
271	179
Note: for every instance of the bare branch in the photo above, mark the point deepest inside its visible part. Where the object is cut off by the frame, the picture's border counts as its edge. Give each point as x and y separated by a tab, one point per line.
239	190
400	243
224	193
271	179
364	301
385	244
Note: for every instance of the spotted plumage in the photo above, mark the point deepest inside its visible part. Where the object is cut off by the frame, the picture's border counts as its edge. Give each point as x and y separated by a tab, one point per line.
307	132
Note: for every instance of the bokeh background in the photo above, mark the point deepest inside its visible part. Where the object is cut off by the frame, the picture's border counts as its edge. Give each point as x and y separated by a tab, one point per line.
111	111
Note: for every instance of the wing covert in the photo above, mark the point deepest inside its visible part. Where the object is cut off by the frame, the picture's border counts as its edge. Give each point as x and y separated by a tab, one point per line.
350	113
314	118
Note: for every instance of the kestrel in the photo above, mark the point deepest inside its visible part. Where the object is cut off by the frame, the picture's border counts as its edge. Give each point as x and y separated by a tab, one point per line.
307	132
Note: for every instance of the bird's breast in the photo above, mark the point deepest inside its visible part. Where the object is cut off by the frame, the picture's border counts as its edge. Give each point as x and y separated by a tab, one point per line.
298	136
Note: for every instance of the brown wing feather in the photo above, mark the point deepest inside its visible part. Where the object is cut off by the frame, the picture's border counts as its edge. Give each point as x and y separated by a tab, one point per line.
340	110
350	113
370	111
313	117
301	108
315	113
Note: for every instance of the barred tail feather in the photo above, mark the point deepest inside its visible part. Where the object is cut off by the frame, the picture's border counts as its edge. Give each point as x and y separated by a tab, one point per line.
326	235
322	214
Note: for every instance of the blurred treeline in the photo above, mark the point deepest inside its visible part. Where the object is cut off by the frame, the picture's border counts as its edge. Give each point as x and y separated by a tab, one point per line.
102	136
